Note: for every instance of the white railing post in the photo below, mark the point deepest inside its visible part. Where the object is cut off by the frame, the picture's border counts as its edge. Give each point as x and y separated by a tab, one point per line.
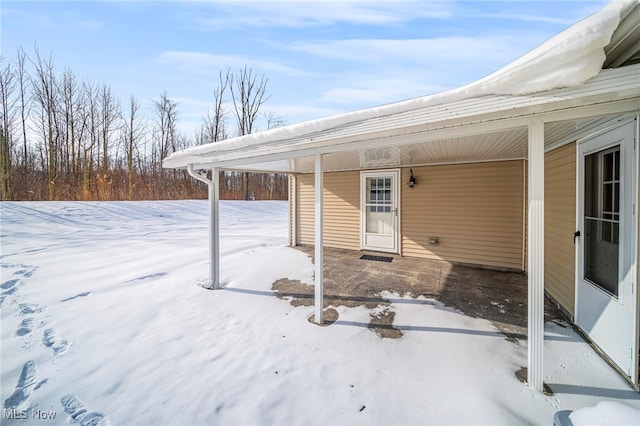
535	255
319	257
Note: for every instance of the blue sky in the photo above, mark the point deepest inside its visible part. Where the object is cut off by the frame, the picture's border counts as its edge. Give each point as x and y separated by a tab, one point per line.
320	58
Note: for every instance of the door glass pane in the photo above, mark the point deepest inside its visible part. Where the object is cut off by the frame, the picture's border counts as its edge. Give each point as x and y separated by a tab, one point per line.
607	197
601	221
380	213
590	186
607	166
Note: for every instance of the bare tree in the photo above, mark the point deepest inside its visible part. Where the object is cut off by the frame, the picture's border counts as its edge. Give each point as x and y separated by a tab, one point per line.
133	130
214	122
166	118
7	117
248	94
62	137
44	87
91	113
164	137
70	101
110	114
25	102
273	120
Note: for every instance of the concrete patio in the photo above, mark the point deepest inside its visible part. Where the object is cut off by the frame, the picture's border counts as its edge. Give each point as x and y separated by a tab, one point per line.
500	297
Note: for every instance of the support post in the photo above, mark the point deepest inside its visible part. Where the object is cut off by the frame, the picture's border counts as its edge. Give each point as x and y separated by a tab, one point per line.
319	256
214	229
535	253
213	185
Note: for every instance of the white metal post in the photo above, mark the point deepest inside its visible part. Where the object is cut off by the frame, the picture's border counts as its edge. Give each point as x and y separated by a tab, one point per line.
214	229
319	257
214	238
535	255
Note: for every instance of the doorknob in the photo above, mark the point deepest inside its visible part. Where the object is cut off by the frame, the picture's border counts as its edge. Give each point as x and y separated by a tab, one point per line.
575	235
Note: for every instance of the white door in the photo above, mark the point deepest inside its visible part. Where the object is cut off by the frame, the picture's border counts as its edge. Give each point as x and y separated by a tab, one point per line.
379	207
606	289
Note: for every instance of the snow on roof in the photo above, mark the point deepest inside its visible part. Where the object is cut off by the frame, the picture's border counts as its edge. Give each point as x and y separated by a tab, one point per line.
570	58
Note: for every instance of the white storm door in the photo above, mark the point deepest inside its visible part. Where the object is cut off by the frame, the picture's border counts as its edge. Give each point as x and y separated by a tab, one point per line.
606	288
379	208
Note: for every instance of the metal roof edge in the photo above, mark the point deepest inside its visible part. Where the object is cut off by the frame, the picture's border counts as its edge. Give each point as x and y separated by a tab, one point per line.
609	82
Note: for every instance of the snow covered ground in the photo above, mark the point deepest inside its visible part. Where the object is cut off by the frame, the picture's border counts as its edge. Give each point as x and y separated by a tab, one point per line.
102	322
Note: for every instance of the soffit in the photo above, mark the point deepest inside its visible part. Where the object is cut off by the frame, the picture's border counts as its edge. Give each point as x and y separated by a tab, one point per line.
503	145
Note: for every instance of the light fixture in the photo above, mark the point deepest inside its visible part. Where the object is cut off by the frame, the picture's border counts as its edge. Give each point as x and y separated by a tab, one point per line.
412	180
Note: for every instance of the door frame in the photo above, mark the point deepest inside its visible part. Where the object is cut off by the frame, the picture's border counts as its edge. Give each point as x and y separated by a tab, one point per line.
630	252
364	174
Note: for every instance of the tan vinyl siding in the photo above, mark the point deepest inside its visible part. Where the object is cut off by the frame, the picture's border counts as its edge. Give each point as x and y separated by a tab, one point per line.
560	224
475	210
341	209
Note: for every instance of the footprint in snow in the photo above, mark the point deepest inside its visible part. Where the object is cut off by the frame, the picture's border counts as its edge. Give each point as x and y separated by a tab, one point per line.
30	308
147	277
10	291
83	294
36	250
9	283
28	382
26	327
76	409
26	273
52	339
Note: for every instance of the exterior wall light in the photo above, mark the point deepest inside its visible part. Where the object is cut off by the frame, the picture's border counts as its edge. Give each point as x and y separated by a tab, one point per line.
412	180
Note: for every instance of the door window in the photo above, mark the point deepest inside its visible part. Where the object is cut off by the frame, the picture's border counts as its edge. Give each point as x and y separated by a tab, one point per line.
602	218
379	205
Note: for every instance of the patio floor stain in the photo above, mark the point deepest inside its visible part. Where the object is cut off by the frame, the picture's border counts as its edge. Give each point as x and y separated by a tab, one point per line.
498	296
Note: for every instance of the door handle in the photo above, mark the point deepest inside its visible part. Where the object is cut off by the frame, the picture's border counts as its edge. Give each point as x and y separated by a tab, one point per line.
575	235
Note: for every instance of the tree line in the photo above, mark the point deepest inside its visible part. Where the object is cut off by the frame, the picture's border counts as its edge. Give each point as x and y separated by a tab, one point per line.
67	138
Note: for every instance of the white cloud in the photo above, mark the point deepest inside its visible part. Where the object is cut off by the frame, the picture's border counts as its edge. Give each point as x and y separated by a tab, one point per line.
433	52
210	64
294	113
41	21
512	16
377	90
301	14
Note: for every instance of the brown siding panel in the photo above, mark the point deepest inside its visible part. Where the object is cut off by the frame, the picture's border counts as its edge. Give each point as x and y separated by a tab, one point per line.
560	223
476	211
341	209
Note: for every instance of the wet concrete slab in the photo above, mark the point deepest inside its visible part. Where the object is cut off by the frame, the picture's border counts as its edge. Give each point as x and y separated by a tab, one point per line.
498	296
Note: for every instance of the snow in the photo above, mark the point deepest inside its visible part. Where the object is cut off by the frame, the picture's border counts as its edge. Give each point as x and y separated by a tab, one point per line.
102	322
606	413
568	59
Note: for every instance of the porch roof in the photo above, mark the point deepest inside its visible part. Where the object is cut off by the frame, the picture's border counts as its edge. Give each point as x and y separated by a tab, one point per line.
483	121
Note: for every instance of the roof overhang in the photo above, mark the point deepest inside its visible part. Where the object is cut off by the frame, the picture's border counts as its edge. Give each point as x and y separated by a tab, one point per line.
624	47
486	128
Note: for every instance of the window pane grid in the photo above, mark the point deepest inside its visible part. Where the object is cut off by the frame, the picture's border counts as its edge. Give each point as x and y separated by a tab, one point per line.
602	218
379	195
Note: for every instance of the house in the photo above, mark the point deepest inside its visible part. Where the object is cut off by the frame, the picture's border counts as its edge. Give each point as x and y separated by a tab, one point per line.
533	168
